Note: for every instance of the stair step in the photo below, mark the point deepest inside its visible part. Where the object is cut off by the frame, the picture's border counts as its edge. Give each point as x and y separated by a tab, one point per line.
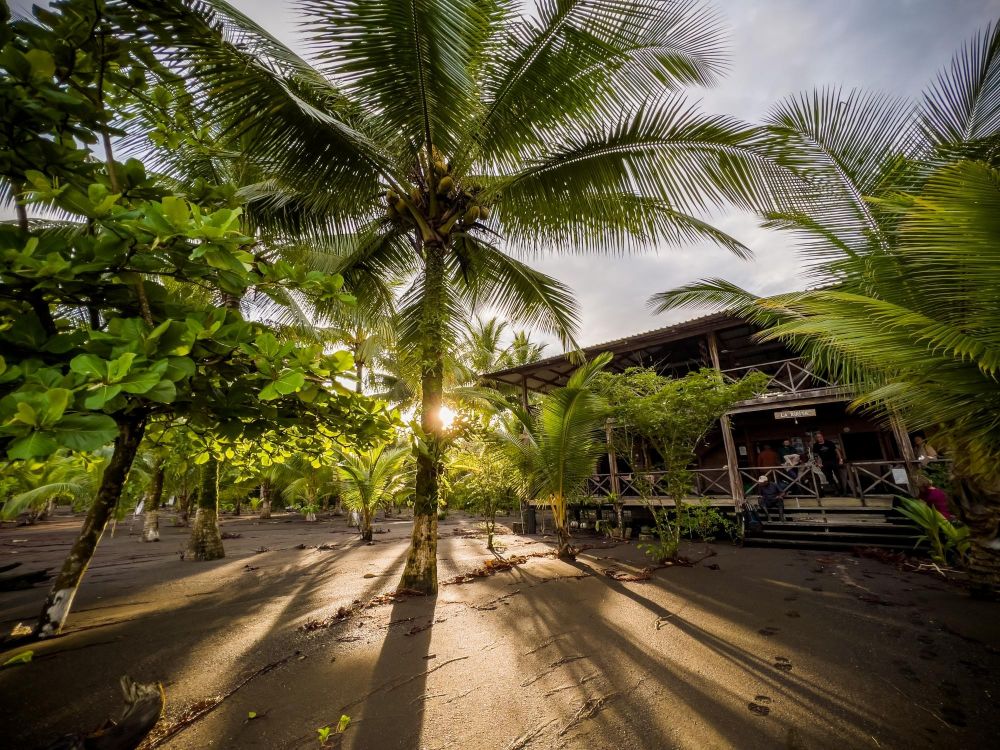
861	528
763	541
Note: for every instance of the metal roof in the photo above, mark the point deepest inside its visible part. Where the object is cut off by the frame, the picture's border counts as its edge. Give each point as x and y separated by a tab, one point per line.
549	372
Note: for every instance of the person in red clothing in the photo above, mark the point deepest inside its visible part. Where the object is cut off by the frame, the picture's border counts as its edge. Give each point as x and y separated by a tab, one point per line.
768	458
934	497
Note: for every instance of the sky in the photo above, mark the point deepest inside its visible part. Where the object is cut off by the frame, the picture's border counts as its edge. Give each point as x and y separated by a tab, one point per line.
777	48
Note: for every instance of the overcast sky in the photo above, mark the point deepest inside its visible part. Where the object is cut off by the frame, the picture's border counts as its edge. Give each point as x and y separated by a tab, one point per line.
778	47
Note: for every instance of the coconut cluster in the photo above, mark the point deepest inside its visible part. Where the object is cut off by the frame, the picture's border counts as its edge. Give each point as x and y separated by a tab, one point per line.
453	199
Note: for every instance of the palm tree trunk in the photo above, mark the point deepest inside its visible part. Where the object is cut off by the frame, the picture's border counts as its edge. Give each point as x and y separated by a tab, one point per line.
151	522
183	506
420	573
206	541
564	551
366	525
60	599
265	499
978	506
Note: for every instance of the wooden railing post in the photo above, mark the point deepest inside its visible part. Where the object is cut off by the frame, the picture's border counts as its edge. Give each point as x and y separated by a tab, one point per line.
732	463
905	450
612	460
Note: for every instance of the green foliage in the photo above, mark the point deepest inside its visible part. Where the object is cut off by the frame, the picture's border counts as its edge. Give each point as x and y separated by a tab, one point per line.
24	657
896	210
556	445
112	317
704	522
368	479
949	543
673	415
484	479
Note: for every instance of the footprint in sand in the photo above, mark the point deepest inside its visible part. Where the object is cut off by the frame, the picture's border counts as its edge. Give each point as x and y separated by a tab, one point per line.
792	613
782	663
759	705
928	654
768	631
953	714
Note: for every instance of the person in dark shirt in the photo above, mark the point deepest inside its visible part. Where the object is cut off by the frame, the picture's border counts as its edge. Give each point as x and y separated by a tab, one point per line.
787	449
771	496
830	459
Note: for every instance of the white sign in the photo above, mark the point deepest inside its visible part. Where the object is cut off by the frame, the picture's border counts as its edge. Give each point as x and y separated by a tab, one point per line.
899	477
795	413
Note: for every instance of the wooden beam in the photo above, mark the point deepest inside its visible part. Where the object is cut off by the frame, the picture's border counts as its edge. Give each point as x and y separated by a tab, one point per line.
732	462
612	460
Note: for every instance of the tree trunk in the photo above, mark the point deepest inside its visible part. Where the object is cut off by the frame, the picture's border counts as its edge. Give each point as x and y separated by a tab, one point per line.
183	504
420	573
265	499
206	541
48	510
978	506
60	599
237	505
151	523
620	516
559	518
366	526
565	551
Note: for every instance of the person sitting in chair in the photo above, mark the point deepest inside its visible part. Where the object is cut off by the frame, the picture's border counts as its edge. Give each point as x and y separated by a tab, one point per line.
771	496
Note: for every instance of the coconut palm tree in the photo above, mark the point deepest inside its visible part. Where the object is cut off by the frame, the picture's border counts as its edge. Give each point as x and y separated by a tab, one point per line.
897	209
307	481
557	443
36	487
371	478
435	141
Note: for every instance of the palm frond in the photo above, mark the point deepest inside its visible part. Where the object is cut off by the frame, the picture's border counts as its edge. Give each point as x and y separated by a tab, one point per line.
960	114
487	277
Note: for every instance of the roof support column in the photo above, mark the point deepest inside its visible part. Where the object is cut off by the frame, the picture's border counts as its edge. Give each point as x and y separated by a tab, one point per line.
725	425
612	460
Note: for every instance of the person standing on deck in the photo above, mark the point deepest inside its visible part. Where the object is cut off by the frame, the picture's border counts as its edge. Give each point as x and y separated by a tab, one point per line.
787	449
830	459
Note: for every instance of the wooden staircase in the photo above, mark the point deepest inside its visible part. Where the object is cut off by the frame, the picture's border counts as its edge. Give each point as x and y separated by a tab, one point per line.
836	528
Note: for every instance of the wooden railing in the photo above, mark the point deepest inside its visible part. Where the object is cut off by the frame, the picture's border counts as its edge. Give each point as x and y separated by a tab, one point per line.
792	376
862	479
654	483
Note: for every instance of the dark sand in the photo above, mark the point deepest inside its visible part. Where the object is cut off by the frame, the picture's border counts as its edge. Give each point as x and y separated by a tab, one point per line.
774	648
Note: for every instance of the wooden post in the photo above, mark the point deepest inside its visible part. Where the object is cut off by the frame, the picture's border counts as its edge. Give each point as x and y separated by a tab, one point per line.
612	459
524	392
725	425
905	450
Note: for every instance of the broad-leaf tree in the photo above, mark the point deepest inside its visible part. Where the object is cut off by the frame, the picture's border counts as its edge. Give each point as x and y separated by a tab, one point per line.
104	321
898	210
673	415
435	141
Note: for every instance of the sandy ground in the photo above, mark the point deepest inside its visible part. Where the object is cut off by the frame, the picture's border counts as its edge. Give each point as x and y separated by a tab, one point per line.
749	648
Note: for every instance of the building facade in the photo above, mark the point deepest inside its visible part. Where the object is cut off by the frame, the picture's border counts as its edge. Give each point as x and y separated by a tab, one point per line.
754	436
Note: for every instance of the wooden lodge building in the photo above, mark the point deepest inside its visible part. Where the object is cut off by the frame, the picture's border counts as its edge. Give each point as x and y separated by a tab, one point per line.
796	404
